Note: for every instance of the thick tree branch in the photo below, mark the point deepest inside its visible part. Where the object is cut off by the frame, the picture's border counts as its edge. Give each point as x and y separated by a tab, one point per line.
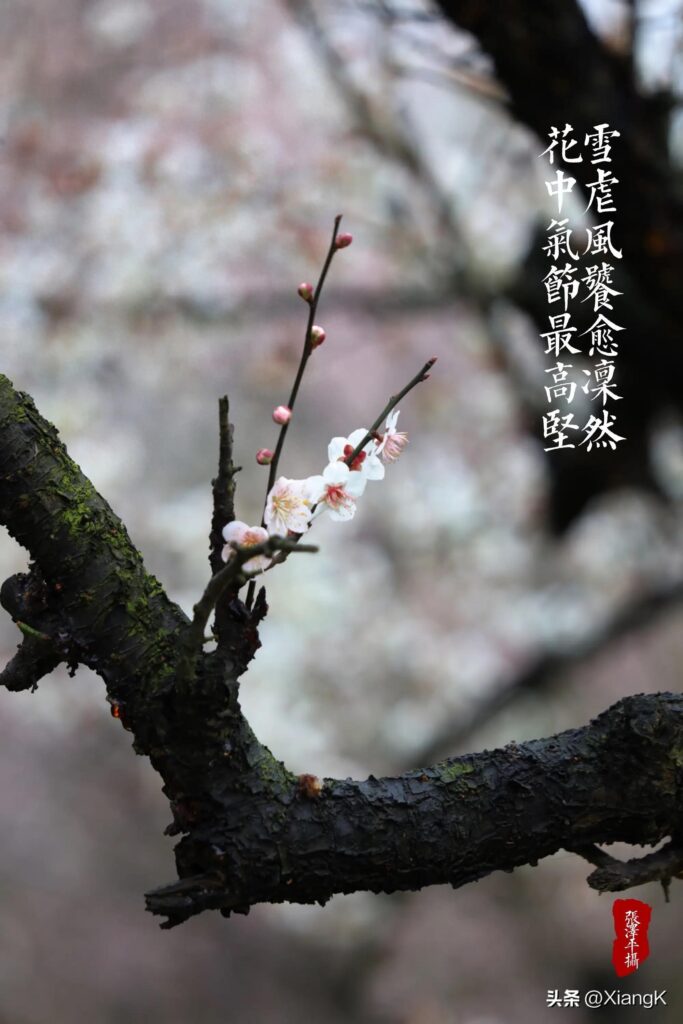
253	831
615	779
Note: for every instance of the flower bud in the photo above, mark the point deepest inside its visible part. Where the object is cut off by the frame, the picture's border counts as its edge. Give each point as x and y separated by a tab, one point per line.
305	290
342	240
317	336
264	456
282	414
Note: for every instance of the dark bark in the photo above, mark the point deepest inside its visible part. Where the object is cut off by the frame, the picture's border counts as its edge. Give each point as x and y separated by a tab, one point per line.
252	831
557	71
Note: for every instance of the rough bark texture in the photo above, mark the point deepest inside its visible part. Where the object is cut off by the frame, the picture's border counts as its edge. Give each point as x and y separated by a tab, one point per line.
252	831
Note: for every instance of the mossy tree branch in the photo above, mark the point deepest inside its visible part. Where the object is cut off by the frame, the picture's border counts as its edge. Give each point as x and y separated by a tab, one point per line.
253	831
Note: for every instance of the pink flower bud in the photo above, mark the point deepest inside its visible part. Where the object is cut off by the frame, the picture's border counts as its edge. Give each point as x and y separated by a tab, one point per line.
282	414
342	240
305	290
317	336
264	456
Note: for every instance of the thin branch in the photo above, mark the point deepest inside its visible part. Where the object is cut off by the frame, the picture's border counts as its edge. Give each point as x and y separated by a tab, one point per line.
35	658
223	486
306	351
391	404
395	139
393	401
229	574
661	866
476	84
305	355
223	490
594	855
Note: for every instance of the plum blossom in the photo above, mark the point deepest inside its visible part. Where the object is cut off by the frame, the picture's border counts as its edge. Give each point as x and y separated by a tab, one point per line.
289	505
336	491
245	536
366	462
392	442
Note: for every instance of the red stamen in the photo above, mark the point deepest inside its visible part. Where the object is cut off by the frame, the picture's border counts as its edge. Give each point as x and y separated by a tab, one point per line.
335	494
359	459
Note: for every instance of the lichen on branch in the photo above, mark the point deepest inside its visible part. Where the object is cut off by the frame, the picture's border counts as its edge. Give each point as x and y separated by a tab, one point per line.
251	830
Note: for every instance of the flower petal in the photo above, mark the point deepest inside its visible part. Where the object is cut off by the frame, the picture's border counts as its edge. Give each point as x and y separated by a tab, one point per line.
373	468
355	485
342	513
254	535
257	564
234	530
336	473
315	485
356	437
335	448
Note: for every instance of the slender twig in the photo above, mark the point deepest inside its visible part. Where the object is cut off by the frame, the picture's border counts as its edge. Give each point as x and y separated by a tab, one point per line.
223	490
612	875
223	486
221	581
306	352
305	355
393	401
391	404
594	855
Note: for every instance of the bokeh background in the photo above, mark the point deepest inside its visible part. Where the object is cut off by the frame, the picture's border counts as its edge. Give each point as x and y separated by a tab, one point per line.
169	172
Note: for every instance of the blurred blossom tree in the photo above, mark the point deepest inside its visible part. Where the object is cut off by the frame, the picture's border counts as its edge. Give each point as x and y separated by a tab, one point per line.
252	831
161	161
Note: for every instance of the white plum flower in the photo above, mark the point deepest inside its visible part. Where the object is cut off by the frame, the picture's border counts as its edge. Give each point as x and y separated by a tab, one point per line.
288	506
366	462
245	536
337	490
392	442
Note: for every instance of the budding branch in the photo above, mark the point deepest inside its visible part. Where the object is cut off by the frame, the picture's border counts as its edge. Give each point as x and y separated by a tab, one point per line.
250	831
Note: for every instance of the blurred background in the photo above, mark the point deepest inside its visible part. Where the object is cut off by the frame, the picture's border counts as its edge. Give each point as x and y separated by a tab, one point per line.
169	173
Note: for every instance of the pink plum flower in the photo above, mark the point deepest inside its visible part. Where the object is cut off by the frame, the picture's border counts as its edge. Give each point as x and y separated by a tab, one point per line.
289	505
245	536
391	443
336	491
366	462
